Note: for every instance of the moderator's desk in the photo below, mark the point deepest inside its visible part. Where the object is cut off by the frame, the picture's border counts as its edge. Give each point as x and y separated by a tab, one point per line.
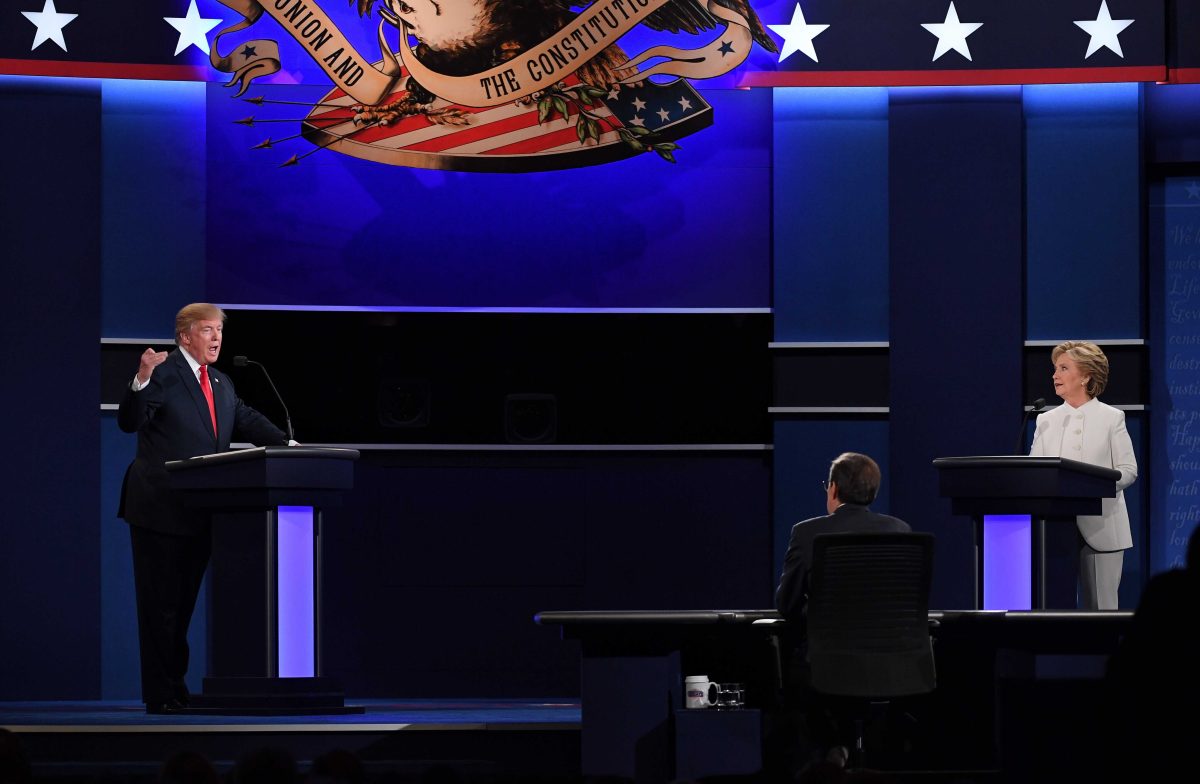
633	664
631	683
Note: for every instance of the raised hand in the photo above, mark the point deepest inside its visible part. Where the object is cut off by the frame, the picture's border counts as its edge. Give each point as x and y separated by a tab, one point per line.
150	359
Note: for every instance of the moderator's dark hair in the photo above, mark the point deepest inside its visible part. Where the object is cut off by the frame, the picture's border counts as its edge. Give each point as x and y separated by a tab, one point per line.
857	478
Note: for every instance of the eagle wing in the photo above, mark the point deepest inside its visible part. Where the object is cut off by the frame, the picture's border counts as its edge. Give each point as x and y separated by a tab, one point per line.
531	21
692	16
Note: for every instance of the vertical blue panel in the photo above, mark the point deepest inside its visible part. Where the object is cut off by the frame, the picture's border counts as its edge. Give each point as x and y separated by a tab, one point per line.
154	185
956	295
1007	562
49	284
1084	211
294	556
119	673
802	454
1172	115
1175	396
831	214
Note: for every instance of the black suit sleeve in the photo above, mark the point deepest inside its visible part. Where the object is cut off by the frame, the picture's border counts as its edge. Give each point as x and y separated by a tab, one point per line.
790	595
254	427
137	407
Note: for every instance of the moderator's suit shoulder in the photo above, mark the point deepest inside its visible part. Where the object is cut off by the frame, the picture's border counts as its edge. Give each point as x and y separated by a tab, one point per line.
807	529
895	524
811	523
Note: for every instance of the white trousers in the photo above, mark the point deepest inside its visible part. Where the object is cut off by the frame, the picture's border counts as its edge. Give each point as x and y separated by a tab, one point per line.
1099	578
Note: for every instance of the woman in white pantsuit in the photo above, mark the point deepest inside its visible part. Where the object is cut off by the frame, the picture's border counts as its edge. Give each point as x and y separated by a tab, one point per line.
1087	430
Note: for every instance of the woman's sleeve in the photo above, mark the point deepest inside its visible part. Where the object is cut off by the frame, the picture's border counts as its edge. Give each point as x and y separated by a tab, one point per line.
1039	430
1122	453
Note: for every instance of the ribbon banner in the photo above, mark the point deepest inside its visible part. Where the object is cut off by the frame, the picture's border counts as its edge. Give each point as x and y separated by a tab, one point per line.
312	28
600	25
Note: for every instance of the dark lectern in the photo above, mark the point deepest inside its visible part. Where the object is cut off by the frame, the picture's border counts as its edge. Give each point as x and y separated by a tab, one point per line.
1011	499
265	582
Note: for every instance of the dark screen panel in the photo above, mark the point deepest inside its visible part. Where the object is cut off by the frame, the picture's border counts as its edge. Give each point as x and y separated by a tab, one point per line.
508	377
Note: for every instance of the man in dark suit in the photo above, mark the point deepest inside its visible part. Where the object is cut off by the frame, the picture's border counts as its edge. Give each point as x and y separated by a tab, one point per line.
853	484
806	730
179	407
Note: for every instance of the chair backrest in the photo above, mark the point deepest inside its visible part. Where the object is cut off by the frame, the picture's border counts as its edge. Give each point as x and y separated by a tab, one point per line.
868	614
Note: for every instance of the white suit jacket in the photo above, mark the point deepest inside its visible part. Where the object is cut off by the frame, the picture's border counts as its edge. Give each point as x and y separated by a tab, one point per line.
1093	433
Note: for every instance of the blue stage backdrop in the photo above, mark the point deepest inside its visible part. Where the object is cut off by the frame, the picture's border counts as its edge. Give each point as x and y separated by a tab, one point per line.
1177	401
334	230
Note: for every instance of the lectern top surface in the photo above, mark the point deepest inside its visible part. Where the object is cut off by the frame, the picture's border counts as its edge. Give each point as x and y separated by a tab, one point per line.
265	452
649	617
1024	461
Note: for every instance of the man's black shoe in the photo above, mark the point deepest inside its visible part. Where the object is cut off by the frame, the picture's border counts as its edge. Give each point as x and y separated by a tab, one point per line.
165	708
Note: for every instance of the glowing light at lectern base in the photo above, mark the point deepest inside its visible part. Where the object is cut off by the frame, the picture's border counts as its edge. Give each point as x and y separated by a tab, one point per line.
297	639
1007	562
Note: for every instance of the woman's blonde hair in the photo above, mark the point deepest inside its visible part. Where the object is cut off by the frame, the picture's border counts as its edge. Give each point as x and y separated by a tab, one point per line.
1089	359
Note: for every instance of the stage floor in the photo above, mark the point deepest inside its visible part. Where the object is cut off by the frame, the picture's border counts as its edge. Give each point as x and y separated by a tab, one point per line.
492	737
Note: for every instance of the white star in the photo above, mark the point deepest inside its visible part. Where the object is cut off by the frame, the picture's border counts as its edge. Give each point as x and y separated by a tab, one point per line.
663	115
1103	31
1193	190
50	24
639	104
685	104
638	121
952	34
192	28
798	35
614	92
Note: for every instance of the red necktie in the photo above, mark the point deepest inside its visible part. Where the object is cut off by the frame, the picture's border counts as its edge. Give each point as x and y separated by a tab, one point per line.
207	389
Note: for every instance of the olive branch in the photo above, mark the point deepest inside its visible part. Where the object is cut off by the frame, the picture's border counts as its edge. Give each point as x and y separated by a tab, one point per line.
559	99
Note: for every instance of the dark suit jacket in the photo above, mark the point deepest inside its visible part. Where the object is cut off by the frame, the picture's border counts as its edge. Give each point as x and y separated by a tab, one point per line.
792	594
170	417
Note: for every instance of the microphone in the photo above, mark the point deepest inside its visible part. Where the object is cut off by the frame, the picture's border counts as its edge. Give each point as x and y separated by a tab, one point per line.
240	361
1038	405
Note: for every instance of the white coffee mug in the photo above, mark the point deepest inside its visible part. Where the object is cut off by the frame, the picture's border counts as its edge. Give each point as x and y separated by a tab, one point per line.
699	692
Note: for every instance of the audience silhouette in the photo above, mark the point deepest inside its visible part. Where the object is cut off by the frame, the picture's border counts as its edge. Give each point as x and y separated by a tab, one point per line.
338	767
188	767
1154	676
266	765
14	764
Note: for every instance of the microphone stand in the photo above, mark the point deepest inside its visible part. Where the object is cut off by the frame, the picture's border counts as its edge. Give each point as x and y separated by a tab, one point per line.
240	361
1038	405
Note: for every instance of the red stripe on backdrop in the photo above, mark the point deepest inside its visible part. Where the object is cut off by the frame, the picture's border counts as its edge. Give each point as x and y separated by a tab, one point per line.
170	73
518	122
541	143
1134	73
1183	75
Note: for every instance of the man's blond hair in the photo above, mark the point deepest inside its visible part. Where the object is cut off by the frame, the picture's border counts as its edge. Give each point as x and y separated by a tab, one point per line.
197	311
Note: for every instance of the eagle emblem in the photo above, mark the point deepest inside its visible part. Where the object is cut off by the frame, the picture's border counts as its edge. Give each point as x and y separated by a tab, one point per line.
504	85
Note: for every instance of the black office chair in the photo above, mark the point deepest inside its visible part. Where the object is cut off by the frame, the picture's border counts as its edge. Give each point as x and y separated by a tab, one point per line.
868	623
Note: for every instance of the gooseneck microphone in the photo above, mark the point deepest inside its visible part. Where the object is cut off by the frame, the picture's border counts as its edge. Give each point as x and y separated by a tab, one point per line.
240	361
1038	405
